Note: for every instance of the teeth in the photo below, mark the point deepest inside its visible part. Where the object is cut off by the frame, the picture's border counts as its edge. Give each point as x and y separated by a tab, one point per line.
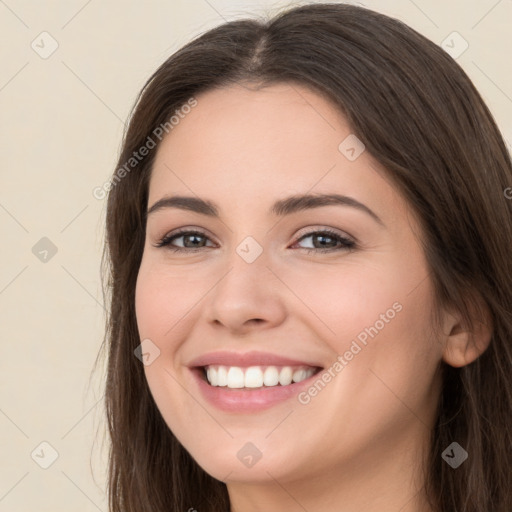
222	376
299	375
253	377
286	376
271	376
256	376
235	377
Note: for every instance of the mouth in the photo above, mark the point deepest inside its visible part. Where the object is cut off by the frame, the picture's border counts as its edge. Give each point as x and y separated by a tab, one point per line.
251	382
255	377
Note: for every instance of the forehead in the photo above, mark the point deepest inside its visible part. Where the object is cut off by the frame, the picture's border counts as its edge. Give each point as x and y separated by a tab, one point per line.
240	145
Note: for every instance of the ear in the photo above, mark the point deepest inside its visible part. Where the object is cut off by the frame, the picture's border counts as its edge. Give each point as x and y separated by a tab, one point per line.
463	345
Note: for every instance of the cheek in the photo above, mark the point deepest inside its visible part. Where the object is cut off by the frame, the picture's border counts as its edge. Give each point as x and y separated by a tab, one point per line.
161	306
151	304
378	317
164	299
341	301
382	333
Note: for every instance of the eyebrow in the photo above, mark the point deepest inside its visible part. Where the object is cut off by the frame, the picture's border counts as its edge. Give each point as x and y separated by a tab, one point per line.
280	208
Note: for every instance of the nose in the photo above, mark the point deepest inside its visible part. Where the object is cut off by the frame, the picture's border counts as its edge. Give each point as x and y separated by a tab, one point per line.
248	296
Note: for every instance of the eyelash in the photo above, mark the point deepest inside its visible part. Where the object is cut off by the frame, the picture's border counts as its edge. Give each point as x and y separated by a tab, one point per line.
347	244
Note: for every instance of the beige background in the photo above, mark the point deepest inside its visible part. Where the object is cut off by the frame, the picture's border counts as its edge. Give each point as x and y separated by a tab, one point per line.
61	125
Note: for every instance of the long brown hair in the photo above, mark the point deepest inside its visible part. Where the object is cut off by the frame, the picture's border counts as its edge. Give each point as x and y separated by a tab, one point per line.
421	117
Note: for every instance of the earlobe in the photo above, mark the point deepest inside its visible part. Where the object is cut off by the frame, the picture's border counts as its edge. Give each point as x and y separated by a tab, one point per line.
463	344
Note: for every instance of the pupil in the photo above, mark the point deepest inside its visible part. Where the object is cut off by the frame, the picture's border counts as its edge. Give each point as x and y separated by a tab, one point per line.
323	237
192	237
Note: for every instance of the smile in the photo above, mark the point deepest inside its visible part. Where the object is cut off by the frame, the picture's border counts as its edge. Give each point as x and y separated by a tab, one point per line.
236	377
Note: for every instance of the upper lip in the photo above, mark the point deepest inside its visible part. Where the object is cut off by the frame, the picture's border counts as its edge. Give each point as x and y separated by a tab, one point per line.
244	359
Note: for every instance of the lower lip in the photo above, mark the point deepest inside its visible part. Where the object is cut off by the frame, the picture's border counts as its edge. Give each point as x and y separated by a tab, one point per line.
248	400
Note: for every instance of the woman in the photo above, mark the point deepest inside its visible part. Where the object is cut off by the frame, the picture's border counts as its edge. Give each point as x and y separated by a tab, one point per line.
311	284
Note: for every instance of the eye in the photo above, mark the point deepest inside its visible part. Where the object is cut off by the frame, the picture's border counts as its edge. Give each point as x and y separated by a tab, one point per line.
189	237
325	240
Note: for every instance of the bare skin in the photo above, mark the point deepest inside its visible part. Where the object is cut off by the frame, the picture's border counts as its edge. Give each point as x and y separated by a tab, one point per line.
358	443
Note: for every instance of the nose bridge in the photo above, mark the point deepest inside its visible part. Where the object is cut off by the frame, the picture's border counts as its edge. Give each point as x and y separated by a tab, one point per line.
250	250
248	289
247	269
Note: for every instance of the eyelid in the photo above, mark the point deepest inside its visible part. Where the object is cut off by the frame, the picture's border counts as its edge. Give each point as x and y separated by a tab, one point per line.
189	229
309	230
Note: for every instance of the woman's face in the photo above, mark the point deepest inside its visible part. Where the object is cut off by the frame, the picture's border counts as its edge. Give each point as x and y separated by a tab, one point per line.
262	282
